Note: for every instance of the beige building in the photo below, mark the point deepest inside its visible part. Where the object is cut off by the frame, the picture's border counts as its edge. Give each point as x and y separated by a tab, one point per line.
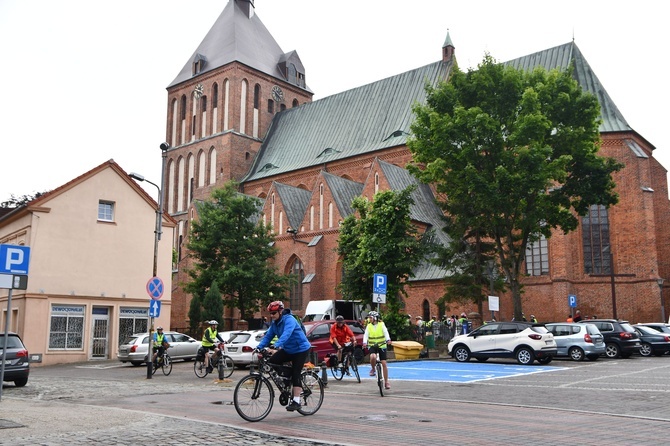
91	246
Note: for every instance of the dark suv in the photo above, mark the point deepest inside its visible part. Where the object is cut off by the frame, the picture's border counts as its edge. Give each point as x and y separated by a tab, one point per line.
621	340
17	366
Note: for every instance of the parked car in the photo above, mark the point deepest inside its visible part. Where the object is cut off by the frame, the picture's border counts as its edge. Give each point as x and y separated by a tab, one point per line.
522	341
318	333
134	348
621	340
653	342
578	341
241	345
17	365
658	326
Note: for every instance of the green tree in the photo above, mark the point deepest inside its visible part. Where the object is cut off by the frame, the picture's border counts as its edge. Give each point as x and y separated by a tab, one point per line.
381	239
231	246
513	155
212	304
195	316
13	201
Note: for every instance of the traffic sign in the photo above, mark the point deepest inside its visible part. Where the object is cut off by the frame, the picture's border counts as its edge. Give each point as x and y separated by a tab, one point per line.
155	288
155	308
572	300
379	298
11	281
379	284
14	259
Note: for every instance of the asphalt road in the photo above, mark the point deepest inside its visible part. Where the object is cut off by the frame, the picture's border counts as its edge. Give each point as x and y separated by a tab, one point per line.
615	401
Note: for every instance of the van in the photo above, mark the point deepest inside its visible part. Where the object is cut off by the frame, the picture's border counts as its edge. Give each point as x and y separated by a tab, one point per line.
320	310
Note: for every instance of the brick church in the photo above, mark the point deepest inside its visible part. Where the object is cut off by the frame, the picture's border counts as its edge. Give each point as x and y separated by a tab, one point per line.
241	109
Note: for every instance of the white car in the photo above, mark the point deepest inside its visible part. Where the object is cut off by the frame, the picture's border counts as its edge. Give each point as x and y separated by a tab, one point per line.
134	348
522	341
241	345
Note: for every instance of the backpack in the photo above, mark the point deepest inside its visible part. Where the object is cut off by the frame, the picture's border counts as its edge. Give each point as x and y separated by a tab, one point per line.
300	323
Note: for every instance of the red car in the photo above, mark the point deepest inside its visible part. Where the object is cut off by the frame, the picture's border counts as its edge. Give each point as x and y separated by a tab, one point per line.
318	333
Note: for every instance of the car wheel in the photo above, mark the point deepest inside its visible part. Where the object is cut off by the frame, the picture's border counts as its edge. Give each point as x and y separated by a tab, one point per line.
136	363
545	360
645	350
21	382
576	353
461	354
612	350
525	356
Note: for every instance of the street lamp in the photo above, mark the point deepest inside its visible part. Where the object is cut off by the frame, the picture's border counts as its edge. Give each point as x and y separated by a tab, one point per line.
660	287
157	236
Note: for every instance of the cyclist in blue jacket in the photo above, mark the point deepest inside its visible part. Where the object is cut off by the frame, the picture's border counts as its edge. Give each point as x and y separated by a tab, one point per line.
291	345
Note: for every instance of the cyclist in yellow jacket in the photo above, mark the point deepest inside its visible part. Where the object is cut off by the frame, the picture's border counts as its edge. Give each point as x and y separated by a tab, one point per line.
375	334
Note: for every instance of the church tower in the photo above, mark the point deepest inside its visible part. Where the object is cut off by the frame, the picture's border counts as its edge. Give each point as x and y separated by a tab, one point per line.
220	107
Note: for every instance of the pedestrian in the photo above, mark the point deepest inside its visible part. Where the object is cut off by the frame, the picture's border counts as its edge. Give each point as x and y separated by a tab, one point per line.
266	323
453	322
578	316
464	323
533	319
569	318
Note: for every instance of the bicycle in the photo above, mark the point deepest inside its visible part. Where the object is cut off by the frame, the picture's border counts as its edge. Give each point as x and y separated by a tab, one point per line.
348	362
375	348
222	363
254	394
164	362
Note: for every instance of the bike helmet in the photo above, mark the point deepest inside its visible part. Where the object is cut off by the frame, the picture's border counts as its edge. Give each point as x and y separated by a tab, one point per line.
373	314
213	322
159	328
277	305
339	318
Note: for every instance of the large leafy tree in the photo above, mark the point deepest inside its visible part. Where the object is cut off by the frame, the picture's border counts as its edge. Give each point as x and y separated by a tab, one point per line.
232	247
380	238
513	155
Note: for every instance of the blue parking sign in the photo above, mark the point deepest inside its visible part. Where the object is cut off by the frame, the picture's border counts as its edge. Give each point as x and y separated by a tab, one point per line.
379	283
572	300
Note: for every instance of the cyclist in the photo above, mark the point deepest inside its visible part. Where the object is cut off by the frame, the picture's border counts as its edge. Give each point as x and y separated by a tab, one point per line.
159	344
340	336
376	333
291	345
209	342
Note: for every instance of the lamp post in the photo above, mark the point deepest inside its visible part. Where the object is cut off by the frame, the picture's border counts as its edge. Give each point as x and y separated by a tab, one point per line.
157	236
660	288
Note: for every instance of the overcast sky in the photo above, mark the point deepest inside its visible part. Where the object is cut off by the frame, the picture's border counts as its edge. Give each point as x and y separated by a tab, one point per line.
85	81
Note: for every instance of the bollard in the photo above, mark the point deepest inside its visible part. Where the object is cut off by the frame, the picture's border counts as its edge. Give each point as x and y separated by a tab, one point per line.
324	374
219	367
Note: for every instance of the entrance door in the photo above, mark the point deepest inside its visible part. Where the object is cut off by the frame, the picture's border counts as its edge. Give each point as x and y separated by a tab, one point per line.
100	335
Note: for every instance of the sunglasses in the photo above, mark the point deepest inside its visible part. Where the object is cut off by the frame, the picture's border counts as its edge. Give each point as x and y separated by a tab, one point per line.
273	313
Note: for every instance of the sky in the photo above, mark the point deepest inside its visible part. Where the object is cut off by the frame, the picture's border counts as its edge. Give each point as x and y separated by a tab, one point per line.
85	81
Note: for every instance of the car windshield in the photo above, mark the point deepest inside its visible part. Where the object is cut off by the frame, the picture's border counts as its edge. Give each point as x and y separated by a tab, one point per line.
129	340
627	327
539	329
239	338
647	330
12	342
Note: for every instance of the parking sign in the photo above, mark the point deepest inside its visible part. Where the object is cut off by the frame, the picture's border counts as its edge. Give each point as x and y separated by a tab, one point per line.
379	283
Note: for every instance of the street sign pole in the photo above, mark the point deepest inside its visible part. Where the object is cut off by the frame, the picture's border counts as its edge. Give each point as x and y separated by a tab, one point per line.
4	342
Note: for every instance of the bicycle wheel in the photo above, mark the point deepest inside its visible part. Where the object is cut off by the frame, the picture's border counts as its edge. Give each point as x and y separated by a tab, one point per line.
354	368
167	365
380	378
311	397
199	368
226	366
253	397
338	372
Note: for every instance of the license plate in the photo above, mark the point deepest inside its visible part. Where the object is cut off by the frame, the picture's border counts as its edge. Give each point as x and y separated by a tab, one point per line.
547	342
232	349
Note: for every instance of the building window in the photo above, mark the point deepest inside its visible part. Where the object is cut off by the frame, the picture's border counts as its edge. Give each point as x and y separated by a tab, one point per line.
66	331
131	321
596	241
257	96
294	103
295	296
105	211
271	106
537	257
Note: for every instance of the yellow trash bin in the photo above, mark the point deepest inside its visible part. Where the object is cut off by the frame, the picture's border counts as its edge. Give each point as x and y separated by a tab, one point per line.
407	349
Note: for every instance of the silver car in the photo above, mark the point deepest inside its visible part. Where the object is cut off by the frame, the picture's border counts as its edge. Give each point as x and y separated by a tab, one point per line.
241	345
134	348
578	340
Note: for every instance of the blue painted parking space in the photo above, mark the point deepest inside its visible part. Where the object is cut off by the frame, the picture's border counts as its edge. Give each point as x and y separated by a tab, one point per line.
456	372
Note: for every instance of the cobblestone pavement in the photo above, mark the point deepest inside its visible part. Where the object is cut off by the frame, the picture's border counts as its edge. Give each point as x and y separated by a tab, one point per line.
53	411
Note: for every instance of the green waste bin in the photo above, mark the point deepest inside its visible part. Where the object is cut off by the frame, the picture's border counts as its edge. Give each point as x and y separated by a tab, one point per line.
430	340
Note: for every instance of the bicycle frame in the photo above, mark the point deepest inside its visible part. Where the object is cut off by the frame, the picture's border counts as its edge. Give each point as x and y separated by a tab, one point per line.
375	349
